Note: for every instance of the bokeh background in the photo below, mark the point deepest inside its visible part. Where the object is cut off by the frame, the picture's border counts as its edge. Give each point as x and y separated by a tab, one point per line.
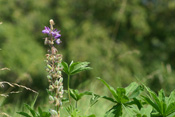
124	40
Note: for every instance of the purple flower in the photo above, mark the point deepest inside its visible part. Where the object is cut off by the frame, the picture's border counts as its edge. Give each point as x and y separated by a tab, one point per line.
54	34
58	41
46	30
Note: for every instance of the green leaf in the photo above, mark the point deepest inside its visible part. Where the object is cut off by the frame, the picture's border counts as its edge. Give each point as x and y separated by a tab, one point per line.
109	98
127	111
161	97
77	96
94	99
78	67
115	111
143	112
159	107
74	94
84	93
122	98
65	67
111	89
133	90
32	105
137	102
92	115
24	114
170	109
72	65
149	101
171	98
31	110
40	111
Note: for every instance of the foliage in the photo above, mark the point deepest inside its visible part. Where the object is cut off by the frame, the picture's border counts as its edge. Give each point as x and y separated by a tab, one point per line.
34	113
123	40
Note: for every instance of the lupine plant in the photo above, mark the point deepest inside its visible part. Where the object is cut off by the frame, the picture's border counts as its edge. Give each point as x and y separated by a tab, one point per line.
135	100
53	60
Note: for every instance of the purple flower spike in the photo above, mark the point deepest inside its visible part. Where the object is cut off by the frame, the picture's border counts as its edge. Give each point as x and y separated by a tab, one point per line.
46	30
58	41
57	36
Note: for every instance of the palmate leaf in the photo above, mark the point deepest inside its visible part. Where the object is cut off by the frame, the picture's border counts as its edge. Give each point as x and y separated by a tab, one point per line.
77	67
115	111
171	98
157	102
149	101
127	111
161	97
122	98
111	89
77	96
143	112
133	90
74	94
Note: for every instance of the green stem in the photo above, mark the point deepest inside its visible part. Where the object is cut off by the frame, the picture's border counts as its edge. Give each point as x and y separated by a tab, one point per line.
68	88
87	110
76	104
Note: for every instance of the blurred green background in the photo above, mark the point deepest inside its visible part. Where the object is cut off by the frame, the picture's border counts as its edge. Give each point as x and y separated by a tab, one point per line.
124	40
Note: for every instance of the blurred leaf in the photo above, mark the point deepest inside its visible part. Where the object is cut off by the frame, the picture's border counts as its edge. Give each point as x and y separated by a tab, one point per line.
24	114
31	110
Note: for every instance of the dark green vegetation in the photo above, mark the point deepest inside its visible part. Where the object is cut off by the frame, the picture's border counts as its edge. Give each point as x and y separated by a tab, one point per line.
124	41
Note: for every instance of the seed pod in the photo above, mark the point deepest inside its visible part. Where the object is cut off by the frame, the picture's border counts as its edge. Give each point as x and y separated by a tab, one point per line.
51	99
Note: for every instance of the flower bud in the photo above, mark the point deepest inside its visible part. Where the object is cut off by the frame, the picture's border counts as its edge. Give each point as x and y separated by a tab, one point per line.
60	80
52	22
56	82
51	87
51	98
47	69
57	102
48	66
49	77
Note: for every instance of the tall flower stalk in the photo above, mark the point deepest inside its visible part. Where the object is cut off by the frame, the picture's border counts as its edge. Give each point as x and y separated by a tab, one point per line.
53	60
